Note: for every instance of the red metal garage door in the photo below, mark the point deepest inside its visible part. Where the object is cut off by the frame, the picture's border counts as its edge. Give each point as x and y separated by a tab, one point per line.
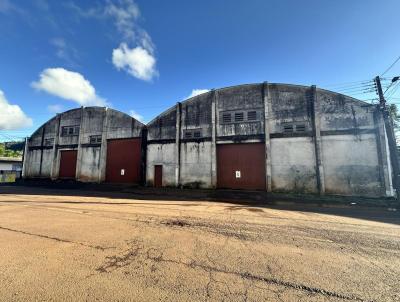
241	166
67	164
123	160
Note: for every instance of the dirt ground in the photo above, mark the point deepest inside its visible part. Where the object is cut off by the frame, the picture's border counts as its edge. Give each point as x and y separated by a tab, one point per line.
111	247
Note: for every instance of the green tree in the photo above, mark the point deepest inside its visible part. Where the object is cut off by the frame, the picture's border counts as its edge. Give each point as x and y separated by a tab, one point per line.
8	152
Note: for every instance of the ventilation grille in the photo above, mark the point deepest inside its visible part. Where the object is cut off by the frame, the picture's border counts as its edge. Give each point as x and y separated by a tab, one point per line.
192	133
252	115
226	118
239	116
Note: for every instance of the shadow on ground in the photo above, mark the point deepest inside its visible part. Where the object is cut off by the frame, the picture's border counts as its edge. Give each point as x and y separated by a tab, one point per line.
380	210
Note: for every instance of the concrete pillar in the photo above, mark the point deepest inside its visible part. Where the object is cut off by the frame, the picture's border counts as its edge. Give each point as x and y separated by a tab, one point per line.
267	131
178	144
316	125
214	123
383	155
25	160
41	150
80	138
54	164
103	148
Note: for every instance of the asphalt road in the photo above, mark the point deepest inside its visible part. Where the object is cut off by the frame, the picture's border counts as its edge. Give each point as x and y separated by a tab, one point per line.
110	247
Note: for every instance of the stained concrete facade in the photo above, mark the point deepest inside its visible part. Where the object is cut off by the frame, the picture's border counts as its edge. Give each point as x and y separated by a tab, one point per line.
316	141
92	127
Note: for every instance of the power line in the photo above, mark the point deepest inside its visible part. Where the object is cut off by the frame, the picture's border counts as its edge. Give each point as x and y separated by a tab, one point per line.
394	89
390	67
346	83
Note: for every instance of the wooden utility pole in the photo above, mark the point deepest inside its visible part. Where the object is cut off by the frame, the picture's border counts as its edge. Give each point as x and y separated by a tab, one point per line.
390	137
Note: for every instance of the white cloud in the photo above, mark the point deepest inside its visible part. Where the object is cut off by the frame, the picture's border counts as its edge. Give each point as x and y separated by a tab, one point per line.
197	92
136	115
125	13
56	108
68	85
11	116
135	61
135	54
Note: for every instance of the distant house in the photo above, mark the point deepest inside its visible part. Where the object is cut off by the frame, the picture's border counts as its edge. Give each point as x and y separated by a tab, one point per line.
10	168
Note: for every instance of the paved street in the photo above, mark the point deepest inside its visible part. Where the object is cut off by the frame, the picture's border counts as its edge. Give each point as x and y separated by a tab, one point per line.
116	247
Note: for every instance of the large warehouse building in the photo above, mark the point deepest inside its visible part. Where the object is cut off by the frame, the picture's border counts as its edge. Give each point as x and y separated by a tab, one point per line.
272	137
91	144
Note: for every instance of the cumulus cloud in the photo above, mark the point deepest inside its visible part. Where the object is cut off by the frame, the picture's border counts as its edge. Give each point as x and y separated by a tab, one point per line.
68	85
136	61
11	116
197	92
136	115
56	108
135	54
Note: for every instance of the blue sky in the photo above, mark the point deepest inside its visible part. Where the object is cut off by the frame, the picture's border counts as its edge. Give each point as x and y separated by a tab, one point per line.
142	56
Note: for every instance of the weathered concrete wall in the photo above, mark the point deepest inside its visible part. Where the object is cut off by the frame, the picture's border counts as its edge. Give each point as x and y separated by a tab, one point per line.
90	164
47	163
69	118
163	127
351	165
339	112
293	161
317	141
196	114
240	99
304	126
349	146
33	163
293	165
44	146
196	164
162	148
41	139
121	125
161	154
290	105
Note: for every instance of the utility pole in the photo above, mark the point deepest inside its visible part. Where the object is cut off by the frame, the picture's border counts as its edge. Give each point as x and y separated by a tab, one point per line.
390	137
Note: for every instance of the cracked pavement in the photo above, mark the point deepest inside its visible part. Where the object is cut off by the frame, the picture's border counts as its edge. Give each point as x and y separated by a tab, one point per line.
113	247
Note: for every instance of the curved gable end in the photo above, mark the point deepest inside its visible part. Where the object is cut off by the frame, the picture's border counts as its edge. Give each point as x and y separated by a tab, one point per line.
274	137
264	136
74	144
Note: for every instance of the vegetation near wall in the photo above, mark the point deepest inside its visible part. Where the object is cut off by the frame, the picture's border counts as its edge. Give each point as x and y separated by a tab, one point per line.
11	149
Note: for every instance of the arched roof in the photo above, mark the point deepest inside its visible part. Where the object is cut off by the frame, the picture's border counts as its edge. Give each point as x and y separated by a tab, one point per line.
281	85
89	107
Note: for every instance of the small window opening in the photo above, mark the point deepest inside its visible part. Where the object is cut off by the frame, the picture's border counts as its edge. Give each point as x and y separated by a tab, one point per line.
95	139
288	128
239	116
70	130
300	128
197	134
49	141
226	118
188	134
252	115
